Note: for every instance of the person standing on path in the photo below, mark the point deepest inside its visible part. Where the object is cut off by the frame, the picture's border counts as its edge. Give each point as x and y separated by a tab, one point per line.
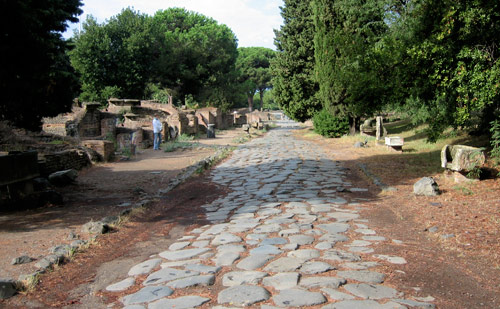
157	127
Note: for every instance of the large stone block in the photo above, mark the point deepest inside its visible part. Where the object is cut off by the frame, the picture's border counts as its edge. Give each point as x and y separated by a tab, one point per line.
461	158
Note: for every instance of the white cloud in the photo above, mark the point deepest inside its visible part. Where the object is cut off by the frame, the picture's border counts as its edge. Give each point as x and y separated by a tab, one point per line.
252	21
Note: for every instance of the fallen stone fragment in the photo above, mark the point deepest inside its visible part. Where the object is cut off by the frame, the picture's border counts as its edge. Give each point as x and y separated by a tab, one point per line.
298	298
7	288
63	178
60	250
95	227
245	295
426	186
24	259
390	259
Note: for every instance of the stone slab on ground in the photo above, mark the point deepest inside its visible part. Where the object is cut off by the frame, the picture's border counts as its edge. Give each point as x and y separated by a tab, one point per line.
282	281
147	294
144	267
244	295
183	302
298	298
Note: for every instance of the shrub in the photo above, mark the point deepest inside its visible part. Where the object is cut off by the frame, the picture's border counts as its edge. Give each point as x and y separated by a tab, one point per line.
328	125
495	140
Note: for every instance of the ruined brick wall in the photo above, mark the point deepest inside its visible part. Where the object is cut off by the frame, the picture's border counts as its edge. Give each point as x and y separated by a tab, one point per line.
105	149
227	121
257	116
90	124
74	158
108	127
204	118
180	121
118	106
168	108
240	119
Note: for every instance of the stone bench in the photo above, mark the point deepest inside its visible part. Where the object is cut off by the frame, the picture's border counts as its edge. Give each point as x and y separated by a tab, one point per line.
461	158
395	143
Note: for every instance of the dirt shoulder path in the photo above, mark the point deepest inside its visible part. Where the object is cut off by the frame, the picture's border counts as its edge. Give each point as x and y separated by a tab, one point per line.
102	190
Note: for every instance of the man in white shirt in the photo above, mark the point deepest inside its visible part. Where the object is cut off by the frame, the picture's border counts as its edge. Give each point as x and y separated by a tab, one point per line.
157	127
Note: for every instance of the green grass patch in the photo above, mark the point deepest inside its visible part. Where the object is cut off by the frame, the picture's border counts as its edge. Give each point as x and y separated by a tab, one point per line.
182	141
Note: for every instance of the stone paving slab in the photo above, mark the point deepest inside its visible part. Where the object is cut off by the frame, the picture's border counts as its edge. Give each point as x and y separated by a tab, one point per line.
298	298
244	295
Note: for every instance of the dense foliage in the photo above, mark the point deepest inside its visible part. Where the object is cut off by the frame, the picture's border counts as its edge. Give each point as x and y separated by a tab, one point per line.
451	56
294	84
435	60
328	125
196	56
36	78
114	59
175	52
346	38
253	65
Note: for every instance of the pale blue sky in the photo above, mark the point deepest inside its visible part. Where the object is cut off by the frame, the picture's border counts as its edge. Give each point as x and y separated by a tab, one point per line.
252	21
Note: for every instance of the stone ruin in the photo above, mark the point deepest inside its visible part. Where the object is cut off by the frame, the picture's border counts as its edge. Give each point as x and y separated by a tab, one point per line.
373	127
459	160
126	124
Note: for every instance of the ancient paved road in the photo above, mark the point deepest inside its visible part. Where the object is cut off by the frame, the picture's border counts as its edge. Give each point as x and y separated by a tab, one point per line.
279	239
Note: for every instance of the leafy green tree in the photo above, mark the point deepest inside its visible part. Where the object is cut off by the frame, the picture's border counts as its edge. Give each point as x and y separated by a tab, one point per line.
347	56
294	84
451	55
36	79
196	56
116	55
255	75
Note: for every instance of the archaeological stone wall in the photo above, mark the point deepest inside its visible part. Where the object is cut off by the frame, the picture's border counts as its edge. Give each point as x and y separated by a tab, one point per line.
68	159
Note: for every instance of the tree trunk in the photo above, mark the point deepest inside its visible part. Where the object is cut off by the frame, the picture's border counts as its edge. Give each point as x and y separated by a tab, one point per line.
354	123
261	93
250	103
